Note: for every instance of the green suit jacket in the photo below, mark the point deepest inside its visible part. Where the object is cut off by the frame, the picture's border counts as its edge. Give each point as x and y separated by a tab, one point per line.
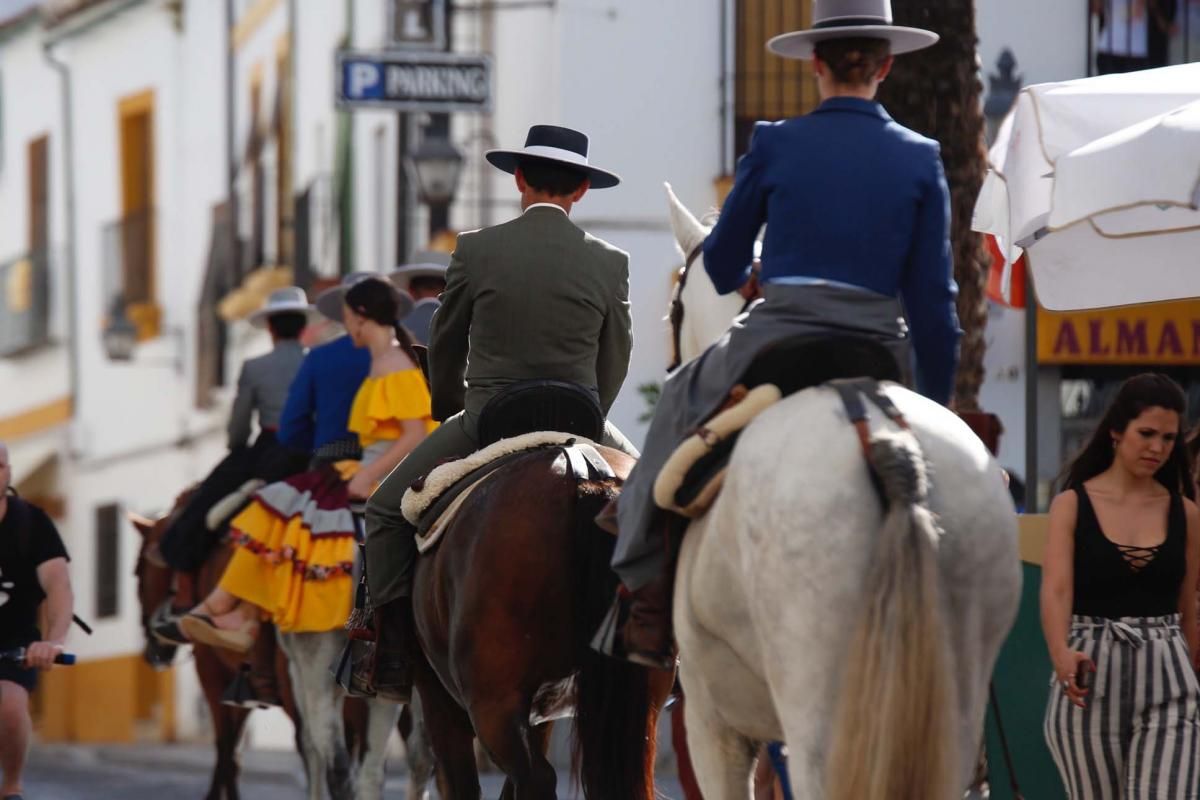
536	298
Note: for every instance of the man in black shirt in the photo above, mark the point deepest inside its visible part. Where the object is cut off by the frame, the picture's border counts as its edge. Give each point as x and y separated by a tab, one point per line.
33	568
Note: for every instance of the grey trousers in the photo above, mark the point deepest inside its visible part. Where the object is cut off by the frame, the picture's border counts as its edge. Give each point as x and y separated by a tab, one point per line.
1138	738
391	550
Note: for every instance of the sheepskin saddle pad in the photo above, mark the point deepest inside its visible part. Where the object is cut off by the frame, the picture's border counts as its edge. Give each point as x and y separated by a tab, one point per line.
692	477
431	504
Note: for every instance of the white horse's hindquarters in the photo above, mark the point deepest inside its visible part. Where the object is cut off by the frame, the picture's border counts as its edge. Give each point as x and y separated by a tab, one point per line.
802	585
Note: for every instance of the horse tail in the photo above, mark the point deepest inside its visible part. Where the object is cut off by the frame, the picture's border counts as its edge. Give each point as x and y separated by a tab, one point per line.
894	732
614	745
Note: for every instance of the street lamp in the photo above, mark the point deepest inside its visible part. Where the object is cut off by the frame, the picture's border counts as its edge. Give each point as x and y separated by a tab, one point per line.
437	164
120	335
1003	87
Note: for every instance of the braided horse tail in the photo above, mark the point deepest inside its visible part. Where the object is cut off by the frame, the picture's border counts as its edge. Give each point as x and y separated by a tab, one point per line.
895	725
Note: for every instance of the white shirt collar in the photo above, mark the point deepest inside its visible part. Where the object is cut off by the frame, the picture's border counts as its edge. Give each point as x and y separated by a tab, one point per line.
556	207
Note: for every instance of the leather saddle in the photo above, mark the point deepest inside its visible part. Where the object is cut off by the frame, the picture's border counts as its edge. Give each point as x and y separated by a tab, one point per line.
525	416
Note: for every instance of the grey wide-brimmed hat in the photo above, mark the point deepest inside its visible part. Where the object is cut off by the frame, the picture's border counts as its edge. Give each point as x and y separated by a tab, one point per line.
329	302
844	19
555	144
289	300
425	264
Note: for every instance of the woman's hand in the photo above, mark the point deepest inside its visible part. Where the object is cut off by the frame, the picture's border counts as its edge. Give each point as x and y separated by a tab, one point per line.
360	486
1066	667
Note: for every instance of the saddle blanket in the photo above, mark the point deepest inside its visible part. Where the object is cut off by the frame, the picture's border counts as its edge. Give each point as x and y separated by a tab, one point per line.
692	477
418	501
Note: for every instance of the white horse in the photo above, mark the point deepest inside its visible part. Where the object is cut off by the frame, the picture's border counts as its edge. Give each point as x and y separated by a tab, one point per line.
327	761
805	613
707	314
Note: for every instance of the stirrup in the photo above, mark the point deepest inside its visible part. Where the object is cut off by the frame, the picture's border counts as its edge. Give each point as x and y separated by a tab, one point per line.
240	692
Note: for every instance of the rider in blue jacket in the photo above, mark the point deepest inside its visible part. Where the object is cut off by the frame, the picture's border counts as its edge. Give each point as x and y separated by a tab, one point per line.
857	217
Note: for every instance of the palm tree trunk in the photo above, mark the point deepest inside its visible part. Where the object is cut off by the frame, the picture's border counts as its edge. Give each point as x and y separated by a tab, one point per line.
937	93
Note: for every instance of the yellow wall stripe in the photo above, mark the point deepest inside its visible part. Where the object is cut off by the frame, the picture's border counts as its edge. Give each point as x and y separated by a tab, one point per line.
109	700
36	420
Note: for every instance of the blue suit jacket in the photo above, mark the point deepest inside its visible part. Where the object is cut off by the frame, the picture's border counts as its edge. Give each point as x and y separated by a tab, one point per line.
850	196
319	399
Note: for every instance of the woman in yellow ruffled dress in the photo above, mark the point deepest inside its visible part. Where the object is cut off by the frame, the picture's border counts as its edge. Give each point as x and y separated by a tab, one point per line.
295	543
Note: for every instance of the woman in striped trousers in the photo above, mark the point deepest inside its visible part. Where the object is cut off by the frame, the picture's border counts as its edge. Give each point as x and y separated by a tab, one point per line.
1118	606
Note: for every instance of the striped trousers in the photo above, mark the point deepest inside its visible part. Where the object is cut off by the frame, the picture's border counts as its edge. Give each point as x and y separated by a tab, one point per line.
1139	736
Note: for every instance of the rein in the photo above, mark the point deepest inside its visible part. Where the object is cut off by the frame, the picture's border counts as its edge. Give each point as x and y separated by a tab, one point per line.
676	314
751	292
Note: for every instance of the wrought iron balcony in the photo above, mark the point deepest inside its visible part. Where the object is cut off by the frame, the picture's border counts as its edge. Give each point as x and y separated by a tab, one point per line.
24	303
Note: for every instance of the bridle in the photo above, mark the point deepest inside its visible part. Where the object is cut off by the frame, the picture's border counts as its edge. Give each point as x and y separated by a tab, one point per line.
676	314
675	317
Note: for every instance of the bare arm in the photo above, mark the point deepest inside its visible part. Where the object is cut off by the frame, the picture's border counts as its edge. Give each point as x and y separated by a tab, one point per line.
1187	595
1058	590
366	478
60	604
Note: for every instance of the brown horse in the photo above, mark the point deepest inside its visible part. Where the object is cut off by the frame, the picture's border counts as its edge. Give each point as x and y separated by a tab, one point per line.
217	668
505	607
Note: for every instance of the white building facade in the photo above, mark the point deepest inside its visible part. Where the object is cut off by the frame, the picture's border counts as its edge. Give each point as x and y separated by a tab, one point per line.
190	120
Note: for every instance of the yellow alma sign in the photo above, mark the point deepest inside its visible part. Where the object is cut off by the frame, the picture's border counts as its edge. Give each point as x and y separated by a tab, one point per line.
1160	333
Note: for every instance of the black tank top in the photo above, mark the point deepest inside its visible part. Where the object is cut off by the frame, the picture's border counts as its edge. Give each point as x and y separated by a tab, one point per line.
1114	581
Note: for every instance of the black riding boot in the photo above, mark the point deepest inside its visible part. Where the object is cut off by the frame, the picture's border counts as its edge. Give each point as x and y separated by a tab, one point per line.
648	636
395	650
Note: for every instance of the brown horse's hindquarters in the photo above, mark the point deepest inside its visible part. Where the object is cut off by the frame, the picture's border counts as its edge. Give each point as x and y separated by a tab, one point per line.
506	603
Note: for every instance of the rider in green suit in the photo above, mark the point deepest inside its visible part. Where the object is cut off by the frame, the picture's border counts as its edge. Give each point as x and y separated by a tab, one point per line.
536	298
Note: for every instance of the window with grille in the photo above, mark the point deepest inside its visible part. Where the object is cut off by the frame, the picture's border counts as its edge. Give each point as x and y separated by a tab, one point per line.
767	87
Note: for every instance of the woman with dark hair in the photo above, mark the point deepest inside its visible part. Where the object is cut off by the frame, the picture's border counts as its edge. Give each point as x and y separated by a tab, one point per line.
295	543
1118	604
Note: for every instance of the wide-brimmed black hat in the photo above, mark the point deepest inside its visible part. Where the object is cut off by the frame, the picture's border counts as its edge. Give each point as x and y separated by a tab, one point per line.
558	145
844	19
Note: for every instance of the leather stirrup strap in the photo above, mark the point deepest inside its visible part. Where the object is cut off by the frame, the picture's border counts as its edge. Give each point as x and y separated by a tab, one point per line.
854	394
856	412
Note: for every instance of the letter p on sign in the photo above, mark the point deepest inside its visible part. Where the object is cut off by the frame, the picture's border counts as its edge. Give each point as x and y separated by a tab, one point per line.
364	80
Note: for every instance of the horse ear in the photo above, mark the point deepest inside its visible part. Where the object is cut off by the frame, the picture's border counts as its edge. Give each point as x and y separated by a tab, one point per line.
688	230
143	524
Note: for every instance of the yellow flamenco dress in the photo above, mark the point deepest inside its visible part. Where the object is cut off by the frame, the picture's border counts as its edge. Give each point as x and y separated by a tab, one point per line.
295	544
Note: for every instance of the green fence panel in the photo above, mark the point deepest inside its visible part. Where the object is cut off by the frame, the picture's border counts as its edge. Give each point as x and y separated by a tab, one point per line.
1022	686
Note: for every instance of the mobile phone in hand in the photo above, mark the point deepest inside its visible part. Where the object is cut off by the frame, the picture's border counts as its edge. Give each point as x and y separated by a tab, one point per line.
1084	674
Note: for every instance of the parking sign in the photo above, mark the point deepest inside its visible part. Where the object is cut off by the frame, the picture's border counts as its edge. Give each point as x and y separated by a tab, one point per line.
412	81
